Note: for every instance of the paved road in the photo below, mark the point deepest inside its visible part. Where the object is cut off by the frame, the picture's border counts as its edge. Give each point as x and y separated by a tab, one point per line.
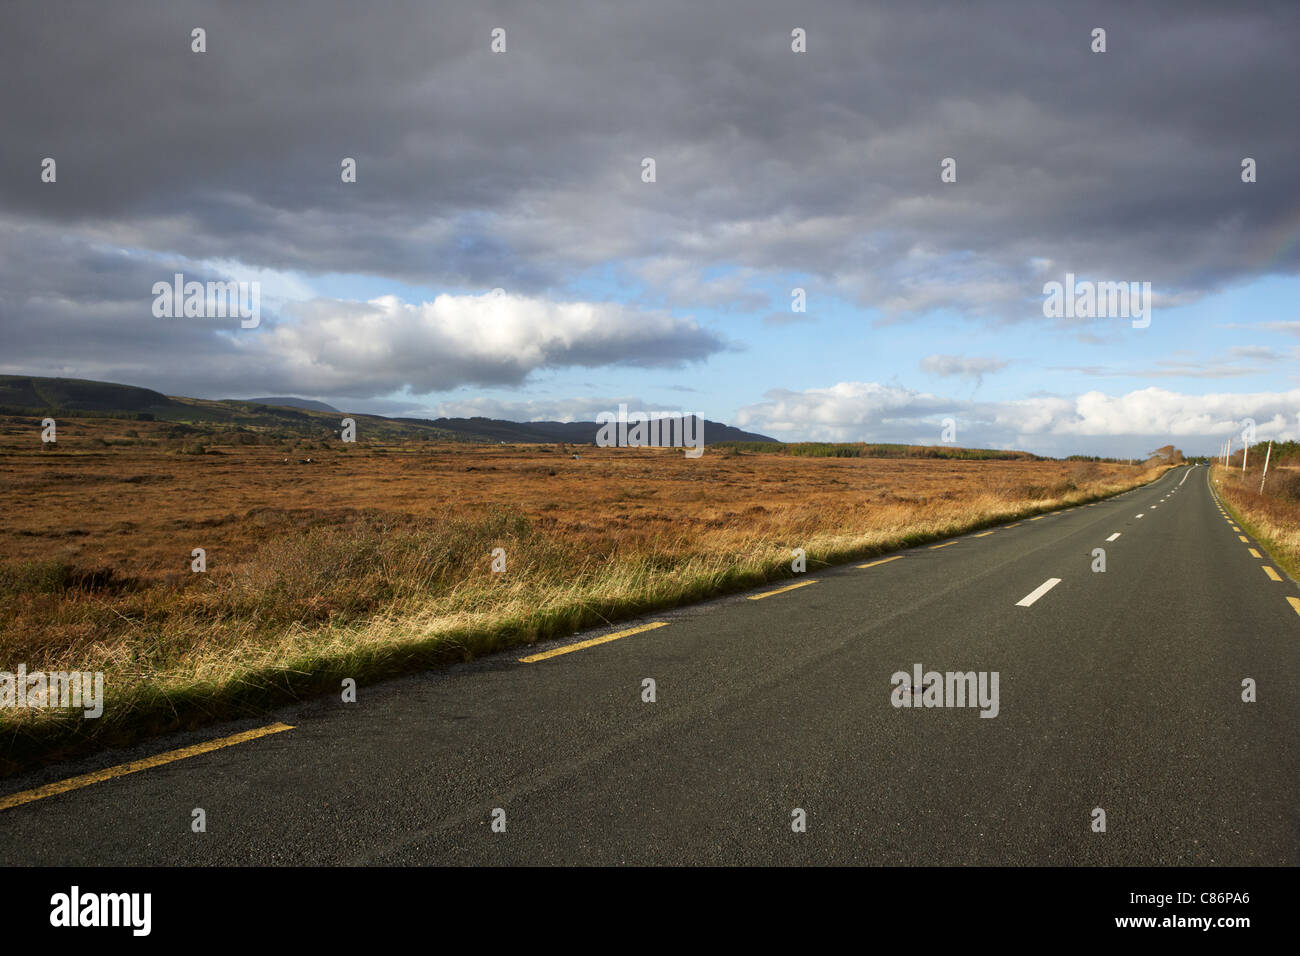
1118	690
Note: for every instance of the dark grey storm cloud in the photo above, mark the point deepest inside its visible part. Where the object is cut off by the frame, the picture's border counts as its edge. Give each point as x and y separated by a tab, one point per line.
521	170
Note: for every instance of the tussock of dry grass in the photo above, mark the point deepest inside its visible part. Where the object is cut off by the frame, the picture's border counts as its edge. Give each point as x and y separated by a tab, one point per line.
308	587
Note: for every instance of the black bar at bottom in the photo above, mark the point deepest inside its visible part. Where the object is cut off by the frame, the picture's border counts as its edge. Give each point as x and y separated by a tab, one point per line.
904	907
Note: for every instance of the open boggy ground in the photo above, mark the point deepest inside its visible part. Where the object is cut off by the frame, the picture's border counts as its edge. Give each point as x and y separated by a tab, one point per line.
373	559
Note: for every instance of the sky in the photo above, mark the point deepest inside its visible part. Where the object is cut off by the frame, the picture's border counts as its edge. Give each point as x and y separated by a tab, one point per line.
502	253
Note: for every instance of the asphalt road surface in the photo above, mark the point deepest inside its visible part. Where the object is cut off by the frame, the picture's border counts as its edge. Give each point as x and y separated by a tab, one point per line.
1119	690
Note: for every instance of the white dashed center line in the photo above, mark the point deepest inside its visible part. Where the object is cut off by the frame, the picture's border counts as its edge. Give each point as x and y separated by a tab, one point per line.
1038	592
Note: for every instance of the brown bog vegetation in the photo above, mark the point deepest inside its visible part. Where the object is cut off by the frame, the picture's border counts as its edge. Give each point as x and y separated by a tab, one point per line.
1273	516
375	559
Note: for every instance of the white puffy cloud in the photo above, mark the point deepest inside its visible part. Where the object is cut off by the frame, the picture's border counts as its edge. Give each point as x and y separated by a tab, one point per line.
368	348
847	411
1054	425
1157	411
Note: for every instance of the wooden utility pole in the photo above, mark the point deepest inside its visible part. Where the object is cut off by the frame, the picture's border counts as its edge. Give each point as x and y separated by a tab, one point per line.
1267	456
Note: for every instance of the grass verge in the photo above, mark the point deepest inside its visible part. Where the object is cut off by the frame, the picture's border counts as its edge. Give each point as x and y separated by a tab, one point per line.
1271	518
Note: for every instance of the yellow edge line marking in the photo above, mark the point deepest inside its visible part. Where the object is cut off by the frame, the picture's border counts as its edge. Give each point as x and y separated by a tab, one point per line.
881	561
1295	604
1016	525
1038	518
570	648
1254	553
1273	575
936	547
788	587
135	766
1235	528
1242	537
982	534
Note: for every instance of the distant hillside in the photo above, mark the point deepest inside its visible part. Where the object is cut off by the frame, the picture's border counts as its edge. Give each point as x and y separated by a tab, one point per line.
34	395
574	432
307	403
74	394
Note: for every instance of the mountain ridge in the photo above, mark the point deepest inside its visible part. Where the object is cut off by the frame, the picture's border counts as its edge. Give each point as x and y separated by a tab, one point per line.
39	395
288	401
